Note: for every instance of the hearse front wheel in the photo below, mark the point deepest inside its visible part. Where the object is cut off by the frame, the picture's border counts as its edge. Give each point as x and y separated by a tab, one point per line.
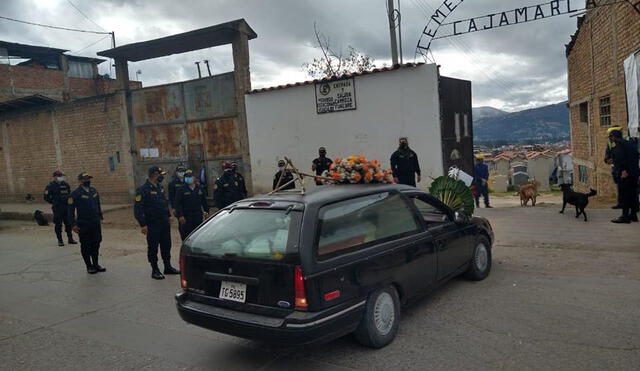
480	264
381	318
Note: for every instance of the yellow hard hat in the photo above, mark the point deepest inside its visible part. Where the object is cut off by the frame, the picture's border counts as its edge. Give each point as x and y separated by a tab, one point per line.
480	156
619	128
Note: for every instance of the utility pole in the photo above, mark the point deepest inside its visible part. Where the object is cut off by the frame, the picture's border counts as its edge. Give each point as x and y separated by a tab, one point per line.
392	32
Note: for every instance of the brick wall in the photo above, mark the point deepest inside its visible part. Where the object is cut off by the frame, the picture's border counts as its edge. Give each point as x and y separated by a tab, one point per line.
20	81
74	137
607	36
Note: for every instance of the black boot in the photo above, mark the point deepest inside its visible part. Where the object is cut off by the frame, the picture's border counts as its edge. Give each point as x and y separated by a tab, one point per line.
633	217
97	266
615	207
70	239
622	220
155	272
60	242
91	269
168	269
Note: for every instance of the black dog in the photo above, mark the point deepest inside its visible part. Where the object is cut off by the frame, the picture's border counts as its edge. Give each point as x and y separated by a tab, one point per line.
40	219
577	199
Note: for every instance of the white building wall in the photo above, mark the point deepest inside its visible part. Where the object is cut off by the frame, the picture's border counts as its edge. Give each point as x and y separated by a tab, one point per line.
390	104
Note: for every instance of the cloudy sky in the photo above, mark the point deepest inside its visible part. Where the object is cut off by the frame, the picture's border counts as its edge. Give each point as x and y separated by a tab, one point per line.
511	68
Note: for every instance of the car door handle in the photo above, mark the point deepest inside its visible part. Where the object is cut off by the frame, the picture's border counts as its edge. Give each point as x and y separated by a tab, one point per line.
439	245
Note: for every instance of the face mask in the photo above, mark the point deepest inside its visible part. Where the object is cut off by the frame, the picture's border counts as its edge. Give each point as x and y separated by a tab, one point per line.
86	183
188	180
404	145
160	178
322	154
60	179
180	174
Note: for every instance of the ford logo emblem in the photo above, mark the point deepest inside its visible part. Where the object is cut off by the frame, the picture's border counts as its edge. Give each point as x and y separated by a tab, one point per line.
284	304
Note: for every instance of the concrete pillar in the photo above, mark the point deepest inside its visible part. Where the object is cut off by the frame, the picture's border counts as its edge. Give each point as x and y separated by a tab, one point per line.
240	48
122	74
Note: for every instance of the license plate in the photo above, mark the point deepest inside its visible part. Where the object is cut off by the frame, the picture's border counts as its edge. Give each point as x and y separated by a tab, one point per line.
233	291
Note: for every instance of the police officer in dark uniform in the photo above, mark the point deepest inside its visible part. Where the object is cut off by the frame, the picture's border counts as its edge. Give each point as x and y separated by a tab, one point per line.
176	183
239	179
190	202
609	160
404	164
86	201
151	210
625	165
321	163
286	177
226	190
56	193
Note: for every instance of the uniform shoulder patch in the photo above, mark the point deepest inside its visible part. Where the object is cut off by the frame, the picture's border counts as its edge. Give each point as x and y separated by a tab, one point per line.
138	198
70	201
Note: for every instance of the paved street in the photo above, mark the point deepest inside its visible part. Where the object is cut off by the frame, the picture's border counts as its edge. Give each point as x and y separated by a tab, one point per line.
563	294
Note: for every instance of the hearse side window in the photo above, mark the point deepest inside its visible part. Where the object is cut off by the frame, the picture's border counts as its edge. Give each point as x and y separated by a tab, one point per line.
363	221
431	214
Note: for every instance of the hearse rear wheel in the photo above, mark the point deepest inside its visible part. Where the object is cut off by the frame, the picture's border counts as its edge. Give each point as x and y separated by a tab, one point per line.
381	318
480	264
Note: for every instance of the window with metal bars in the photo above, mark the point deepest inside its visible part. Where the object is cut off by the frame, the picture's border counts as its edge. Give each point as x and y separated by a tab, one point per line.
605	111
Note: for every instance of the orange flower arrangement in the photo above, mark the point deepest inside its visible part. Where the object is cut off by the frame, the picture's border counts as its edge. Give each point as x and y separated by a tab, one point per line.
357	169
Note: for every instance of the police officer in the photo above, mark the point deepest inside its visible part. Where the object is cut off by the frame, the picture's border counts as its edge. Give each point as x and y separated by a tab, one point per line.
190	202
56	193
480	180
286	177
625	165
609	160
242	185
176	183
226	190
151	210
86	201
321	163
404	164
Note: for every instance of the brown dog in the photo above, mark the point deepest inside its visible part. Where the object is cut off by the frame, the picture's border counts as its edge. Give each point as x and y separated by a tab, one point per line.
528	192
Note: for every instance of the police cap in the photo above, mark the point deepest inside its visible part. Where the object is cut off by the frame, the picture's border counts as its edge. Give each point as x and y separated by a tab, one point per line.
156	169
58	173
84	176
281	163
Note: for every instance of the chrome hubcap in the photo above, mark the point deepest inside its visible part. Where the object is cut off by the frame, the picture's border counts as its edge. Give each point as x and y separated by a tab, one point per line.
481	257
384	313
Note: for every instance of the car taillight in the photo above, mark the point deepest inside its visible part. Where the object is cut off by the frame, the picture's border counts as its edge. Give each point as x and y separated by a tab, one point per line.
183	274
301	297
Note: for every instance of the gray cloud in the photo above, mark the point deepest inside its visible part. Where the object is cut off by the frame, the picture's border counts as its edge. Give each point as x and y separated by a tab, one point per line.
511	68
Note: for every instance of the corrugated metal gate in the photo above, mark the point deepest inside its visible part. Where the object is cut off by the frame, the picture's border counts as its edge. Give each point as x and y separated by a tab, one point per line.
186	122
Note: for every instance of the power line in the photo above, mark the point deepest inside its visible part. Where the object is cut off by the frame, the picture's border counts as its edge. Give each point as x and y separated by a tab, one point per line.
84	15
92	44
54	27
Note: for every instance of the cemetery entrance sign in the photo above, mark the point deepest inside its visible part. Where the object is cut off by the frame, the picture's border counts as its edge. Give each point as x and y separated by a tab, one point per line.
336	95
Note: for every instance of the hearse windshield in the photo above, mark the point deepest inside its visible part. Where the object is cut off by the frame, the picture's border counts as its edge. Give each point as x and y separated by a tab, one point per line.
248	233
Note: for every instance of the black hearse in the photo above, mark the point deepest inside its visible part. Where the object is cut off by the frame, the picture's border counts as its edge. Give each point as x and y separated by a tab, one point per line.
301	268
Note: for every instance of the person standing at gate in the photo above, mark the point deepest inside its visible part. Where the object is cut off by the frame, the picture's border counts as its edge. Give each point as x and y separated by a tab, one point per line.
609	160
481	181
86	201
203	177
242	185
405	165
283	177
321	164
151	210
190	203
176	183
56	193
625	165
226	190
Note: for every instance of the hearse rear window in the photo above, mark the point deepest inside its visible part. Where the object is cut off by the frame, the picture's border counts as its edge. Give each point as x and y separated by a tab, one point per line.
248	233
360	222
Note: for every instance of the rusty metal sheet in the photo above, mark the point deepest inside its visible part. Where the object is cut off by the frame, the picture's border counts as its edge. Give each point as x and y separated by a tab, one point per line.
157	105
195	133
211	97
169	141
221	137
